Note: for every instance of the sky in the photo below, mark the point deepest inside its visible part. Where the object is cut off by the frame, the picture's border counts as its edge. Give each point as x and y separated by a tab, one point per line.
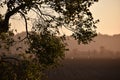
107	11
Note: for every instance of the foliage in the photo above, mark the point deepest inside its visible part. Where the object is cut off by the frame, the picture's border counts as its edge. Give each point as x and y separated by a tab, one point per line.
47	51
48	48
43	41
6	40
20	69
71	14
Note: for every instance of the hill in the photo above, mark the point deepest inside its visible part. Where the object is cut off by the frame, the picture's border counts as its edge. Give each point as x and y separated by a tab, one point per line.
100	44
108	42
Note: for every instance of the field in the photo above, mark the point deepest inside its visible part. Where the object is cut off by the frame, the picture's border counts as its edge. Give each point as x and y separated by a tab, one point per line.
87	69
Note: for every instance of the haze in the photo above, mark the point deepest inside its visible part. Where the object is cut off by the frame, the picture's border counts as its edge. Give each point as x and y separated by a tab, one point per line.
108	11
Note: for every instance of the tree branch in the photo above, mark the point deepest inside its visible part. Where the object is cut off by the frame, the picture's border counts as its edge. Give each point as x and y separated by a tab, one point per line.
25	26
4	25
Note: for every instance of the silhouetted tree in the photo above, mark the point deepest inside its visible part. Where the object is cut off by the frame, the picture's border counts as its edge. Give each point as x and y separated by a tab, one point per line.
12	68
102	50
73	15
43	42
47	51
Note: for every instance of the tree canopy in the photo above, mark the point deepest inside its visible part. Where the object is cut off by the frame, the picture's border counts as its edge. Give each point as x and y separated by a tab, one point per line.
74	15
43	52
51	16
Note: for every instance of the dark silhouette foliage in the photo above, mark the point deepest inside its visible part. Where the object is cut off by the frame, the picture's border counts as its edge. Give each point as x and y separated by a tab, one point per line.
12	68
49	49
43	43
73	15
45	51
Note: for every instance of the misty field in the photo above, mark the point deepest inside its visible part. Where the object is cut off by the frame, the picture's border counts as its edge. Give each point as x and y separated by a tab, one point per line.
87	69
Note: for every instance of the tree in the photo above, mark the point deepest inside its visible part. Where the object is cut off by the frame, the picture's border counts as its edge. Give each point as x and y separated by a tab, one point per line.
42	40
20	69
45	51
49	49
73	15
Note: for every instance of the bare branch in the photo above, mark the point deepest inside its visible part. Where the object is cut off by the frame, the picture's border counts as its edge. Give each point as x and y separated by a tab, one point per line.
25	22
26	25
8	58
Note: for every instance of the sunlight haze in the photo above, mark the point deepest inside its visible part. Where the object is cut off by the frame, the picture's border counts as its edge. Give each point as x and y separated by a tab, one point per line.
107	11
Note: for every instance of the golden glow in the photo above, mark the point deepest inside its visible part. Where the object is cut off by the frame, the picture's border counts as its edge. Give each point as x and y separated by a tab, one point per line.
108	11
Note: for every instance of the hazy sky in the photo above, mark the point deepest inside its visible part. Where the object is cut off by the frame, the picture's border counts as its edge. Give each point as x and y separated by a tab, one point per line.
107	11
